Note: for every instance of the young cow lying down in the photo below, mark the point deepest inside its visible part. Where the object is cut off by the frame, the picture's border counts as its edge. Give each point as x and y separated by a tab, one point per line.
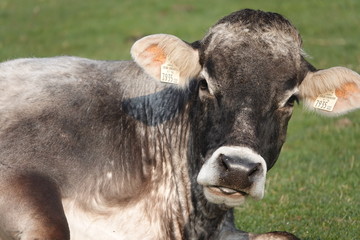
160	147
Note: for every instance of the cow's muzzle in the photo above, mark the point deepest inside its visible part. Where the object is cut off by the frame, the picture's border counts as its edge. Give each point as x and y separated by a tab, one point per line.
231	174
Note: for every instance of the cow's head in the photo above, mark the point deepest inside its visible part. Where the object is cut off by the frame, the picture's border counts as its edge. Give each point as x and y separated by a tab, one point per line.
250	70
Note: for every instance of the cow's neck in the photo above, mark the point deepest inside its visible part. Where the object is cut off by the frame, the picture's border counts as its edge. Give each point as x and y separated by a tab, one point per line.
204	216
169	162
198	216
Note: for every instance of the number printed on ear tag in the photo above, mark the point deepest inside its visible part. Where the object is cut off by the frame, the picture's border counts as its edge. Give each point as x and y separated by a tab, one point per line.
169	73
326	101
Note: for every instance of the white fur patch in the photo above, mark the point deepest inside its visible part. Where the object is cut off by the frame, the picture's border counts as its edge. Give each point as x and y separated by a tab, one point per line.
109	175
113	226
144	219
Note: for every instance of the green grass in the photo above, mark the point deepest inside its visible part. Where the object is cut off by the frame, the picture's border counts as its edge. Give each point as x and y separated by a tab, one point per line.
313	190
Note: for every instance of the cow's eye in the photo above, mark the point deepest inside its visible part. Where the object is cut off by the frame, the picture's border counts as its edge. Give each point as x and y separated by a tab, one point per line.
291	101
203	86
204	91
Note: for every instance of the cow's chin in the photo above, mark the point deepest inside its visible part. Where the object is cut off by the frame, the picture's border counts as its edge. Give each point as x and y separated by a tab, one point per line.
223	195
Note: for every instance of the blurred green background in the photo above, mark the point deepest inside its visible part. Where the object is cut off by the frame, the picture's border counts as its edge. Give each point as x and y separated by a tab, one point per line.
313	190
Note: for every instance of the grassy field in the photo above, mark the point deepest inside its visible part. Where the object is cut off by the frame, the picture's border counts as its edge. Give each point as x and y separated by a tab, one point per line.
313	190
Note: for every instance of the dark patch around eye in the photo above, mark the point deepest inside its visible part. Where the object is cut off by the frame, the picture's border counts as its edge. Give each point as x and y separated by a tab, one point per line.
291	83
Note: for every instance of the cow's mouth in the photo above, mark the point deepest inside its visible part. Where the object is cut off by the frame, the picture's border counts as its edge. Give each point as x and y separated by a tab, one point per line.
229	196
223	195
226	191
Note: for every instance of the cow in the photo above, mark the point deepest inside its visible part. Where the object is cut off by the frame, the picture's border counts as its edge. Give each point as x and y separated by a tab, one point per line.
160	147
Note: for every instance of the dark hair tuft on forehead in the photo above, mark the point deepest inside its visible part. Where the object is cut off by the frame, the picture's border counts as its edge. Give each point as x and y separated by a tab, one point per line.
257	17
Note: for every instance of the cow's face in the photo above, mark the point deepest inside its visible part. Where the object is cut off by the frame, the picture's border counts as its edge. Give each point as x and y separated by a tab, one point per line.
249	72
249	83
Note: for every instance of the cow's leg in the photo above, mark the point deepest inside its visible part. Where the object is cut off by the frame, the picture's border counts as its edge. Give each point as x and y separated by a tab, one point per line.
229	232
31	208
274	236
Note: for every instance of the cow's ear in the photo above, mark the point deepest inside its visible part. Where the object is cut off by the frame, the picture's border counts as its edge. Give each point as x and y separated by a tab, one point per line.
166	58
334	91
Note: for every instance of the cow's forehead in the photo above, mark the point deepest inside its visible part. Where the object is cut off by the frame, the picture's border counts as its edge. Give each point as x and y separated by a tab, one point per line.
265	31
252	51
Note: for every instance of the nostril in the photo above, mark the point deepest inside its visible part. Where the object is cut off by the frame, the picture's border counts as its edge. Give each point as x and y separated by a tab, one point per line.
254	169
224	162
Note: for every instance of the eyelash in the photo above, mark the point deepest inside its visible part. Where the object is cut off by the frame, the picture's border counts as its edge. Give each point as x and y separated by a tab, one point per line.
291	101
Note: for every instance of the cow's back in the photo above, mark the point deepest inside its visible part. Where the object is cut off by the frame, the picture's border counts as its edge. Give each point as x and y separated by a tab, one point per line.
29	86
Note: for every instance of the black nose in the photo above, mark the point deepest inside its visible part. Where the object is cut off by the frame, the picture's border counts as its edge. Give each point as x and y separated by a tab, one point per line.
238	173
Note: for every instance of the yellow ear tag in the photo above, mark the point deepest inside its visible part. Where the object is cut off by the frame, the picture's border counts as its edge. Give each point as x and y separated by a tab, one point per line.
170	73
326	101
